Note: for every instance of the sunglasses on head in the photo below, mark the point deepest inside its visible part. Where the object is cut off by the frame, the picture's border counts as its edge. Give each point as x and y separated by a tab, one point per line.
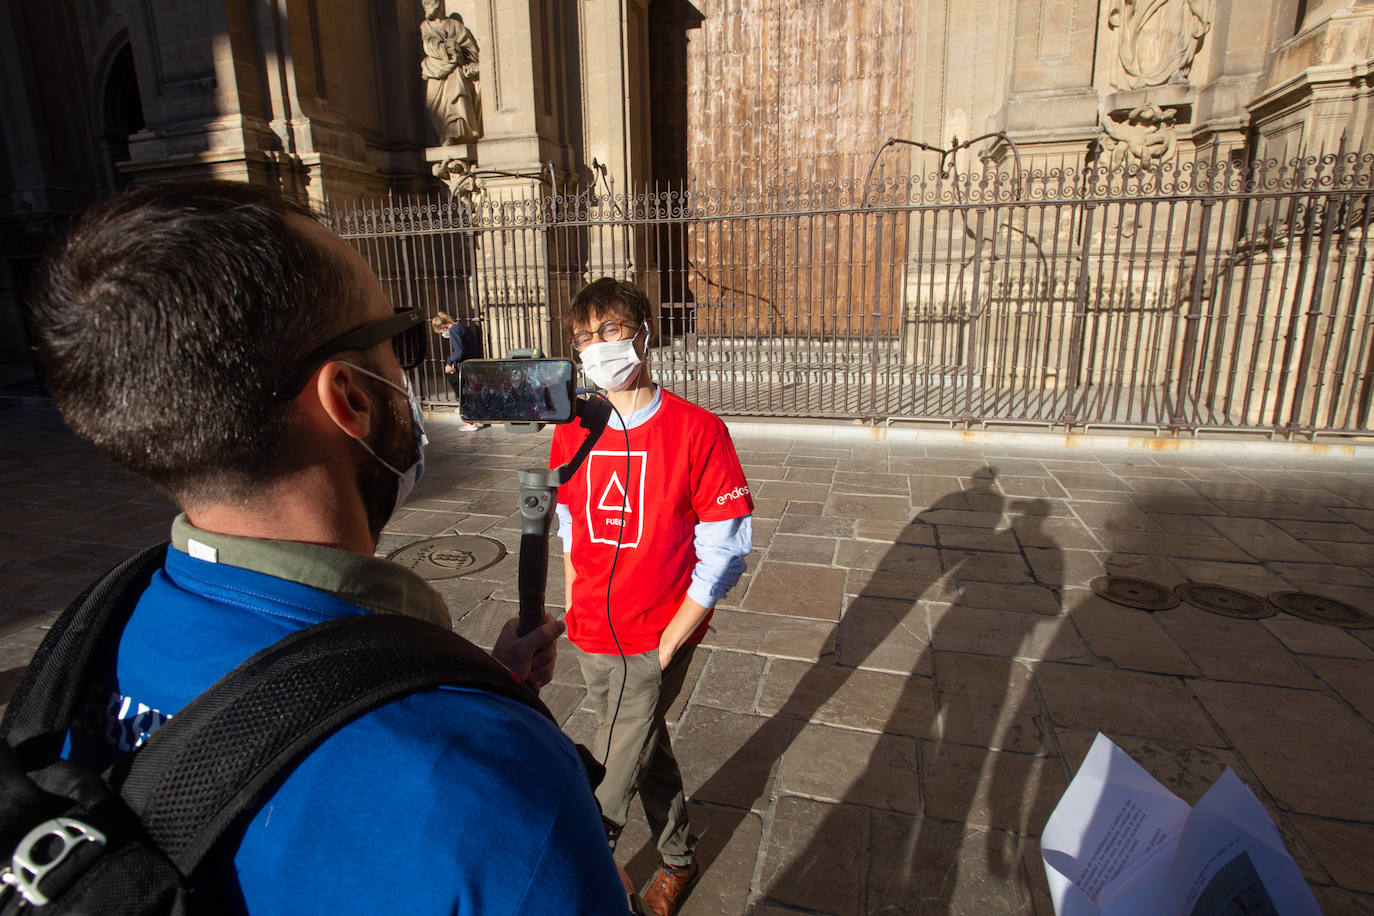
404	329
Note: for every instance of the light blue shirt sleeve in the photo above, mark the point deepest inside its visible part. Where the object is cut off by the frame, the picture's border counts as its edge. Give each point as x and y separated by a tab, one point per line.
721	549
564	526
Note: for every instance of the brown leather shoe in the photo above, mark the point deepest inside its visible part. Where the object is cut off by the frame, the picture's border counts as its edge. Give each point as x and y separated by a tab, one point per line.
669	886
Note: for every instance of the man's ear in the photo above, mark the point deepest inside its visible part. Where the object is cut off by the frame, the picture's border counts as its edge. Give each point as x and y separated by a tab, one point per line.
344	399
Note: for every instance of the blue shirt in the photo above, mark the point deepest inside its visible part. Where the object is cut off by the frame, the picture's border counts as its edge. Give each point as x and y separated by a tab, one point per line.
452	800
721	546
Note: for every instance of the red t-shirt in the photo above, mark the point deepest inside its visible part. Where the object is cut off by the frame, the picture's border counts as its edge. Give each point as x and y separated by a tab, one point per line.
682	469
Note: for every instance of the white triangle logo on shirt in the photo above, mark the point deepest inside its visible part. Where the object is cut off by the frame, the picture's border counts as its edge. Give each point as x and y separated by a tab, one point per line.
609	501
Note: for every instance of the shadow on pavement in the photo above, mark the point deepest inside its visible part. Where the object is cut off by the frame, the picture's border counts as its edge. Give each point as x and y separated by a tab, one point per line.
905	762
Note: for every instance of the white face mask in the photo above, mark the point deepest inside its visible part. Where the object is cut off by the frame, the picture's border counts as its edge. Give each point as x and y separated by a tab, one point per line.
407	479
612	365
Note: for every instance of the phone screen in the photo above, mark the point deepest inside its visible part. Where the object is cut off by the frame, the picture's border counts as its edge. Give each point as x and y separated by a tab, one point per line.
517	391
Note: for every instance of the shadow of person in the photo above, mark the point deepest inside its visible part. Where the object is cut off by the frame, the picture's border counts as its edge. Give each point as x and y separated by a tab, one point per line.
916	751
947	835
1187	693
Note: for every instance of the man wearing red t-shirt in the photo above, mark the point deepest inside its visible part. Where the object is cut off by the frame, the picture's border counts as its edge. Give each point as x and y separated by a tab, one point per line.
655	527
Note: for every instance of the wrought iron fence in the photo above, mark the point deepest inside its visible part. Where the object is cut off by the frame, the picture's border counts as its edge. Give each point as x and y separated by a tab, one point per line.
1199	296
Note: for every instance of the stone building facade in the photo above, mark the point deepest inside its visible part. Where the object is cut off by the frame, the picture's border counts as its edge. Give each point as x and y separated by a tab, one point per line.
778	92
338	101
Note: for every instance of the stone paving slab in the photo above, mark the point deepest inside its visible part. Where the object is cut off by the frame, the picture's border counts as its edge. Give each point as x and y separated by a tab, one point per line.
994	789
1343	848
730	758
888	705
1308	749
1130	639
1079	696
886	636
872	770
990	702
850	698
1228	649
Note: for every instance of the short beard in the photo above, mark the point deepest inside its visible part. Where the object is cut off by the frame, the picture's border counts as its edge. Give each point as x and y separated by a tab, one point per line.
396	444
378	488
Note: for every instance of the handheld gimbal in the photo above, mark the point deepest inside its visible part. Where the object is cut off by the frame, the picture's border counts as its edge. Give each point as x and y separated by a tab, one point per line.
538	488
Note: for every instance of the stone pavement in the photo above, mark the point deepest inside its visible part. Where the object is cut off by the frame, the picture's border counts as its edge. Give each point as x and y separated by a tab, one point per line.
889	705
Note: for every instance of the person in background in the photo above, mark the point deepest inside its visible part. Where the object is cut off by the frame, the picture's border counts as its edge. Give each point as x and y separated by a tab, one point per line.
463	344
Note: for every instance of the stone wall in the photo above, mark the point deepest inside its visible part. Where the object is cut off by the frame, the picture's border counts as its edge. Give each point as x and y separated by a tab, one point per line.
759	98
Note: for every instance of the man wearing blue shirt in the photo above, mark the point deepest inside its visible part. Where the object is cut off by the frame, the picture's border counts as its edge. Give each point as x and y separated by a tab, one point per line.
216	339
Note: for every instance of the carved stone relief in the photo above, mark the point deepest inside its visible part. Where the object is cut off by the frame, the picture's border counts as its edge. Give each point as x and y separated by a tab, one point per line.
1154	44
452	171
1157	40
1144	136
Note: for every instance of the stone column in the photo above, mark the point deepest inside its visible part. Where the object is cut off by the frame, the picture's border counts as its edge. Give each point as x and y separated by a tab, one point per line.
200	119
564	84
615	125
501	171
530	88
289	94
1051	106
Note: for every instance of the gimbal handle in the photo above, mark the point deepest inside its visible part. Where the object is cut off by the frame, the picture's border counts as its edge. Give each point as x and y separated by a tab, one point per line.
538	490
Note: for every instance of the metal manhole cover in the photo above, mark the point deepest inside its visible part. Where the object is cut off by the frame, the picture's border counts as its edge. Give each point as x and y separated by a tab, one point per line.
1141	594
447	557
1322	610
1228	602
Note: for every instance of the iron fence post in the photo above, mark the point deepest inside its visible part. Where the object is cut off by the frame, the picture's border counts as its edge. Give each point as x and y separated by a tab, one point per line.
974	312
544	221
1314	311
1080	314
1194	314
877	318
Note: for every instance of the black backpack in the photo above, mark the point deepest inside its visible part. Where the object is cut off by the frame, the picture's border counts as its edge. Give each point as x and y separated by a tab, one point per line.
146	836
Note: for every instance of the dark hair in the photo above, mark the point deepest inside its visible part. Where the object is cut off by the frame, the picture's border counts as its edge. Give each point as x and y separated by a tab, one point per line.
166	315
609	296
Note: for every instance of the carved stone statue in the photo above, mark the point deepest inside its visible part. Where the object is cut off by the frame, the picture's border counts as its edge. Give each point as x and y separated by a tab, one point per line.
1157	40
453	171
1146	136
450	71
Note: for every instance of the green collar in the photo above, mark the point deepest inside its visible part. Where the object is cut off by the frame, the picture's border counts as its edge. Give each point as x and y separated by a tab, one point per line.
378	585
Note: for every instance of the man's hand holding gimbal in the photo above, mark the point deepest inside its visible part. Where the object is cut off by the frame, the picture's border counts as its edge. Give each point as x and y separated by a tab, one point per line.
531	656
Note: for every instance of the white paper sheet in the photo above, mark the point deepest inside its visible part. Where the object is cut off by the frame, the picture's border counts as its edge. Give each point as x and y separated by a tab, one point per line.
1120	844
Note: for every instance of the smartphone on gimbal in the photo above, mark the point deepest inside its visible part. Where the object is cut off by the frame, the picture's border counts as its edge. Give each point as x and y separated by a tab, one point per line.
517	391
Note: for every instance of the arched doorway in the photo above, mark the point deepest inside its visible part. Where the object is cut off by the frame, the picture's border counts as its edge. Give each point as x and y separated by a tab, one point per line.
121	115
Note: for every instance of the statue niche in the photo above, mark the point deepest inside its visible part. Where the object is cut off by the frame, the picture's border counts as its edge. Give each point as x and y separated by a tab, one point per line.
450	69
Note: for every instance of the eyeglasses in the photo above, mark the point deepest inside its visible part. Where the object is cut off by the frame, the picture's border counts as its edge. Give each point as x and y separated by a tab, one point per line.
404	329
609	332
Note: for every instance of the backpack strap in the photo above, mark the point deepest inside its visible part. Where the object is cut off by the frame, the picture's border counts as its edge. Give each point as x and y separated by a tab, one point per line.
215	761
42	706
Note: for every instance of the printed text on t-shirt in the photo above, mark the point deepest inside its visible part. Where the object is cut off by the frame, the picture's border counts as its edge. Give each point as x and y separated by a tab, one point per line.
736	493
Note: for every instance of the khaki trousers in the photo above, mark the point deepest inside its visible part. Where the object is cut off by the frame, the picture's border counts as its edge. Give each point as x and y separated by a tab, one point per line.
635	748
